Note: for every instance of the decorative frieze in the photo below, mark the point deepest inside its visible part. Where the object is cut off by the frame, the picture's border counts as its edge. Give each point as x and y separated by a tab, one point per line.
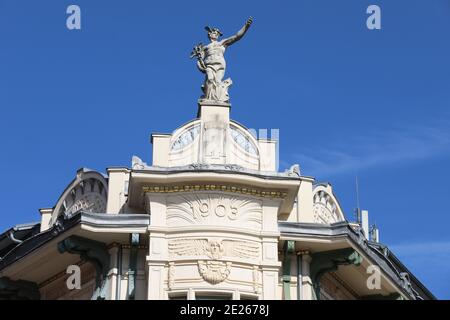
214	249
216	187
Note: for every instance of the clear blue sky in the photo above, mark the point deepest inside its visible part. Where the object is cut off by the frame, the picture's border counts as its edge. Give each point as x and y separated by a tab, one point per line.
348	101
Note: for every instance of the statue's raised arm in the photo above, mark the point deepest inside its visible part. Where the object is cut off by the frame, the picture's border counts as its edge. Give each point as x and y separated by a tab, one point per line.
229	41
211	62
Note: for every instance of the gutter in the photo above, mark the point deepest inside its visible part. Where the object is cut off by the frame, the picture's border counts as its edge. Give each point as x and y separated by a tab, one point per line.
300	276
12	238
119	272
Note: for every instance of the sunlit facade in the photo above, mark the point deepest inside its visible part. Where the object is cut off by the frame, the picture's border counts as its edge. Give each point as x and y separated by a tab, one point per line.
210	217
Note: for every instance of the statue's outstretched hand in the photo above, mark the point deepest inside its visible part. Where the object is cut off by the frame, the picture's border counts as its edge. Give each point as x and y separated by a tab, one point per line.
249	22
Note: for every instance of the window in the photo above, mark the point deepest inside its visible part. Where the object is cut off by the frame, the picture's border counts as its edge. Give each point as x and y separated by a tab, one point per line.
178	296
212	296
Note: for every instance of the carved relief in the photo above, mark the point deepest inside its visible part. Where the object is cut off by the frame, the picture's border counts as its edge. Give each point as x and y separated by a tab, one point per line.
171	275
216	209
214	272
214	249
256	277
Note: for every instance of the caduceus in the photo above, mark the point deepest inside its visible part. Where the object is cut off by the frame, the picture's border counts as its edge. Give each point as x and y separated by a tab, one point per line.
199	53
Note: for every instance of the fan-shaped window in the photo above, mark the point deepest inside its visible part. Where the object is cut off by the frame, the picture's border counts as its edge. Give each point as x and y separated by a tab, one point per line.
325	209
243	140
186	138
87	193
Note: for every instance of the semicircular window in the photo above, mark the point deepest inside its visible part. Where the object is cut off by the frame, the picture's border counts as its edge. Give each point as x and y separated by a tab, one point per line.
186	138
243	140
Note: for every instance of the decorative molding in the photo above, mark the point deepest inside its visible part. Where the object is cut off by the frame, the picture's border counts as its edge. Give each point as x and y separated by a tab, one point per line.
233	167
171	275
137	163
406	282
198	166
214	187
256	279
293	171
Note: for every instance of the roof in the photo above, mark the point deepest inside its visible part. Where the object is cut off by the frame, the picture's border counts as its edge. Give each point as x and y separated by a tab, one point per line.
15	235
380	253
34	240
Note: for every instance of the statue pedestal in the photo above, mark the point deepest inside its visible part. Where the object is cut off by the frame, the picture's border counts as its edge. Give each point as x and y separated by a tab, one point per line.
215	118
210	105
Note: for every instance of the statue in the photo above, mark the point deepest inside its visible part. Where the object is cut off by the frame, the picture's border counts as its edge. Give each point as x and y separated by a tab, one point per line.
211	61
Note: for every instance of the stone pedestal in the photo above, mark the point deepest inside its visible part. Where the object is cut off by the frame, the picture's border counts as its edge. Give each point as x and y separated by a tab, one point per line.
215	119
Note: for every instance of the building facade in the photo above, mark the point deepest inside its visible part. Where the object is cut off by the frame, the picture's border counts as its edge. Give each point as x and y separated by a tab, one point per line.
211	217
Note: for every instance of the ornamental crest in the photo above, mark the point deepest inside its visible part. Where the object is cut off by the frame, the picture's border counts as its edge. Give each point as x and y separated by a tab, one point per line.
213	271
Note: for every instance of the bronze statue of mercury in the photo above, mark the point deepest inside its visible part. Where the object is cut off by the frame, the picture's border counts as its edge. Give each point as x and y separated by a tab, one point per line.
211	61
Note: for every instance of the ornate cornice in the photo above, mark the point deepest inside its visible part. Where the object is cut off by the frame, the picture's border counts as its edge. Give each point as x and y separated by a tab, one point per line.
215	187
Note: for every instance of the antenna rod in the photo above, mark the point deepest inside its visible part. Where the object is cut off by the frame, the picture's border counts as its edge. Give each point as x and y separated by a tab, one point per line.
358	208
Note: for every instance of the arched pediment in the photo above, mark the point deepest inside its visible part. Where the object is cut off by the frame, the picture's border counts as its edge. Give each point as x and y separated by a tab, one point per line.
326	208
87	192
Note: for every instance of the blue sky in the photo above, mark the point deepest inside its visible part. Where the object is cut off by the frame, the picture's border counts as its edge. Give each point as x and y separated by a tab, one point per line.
347	101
